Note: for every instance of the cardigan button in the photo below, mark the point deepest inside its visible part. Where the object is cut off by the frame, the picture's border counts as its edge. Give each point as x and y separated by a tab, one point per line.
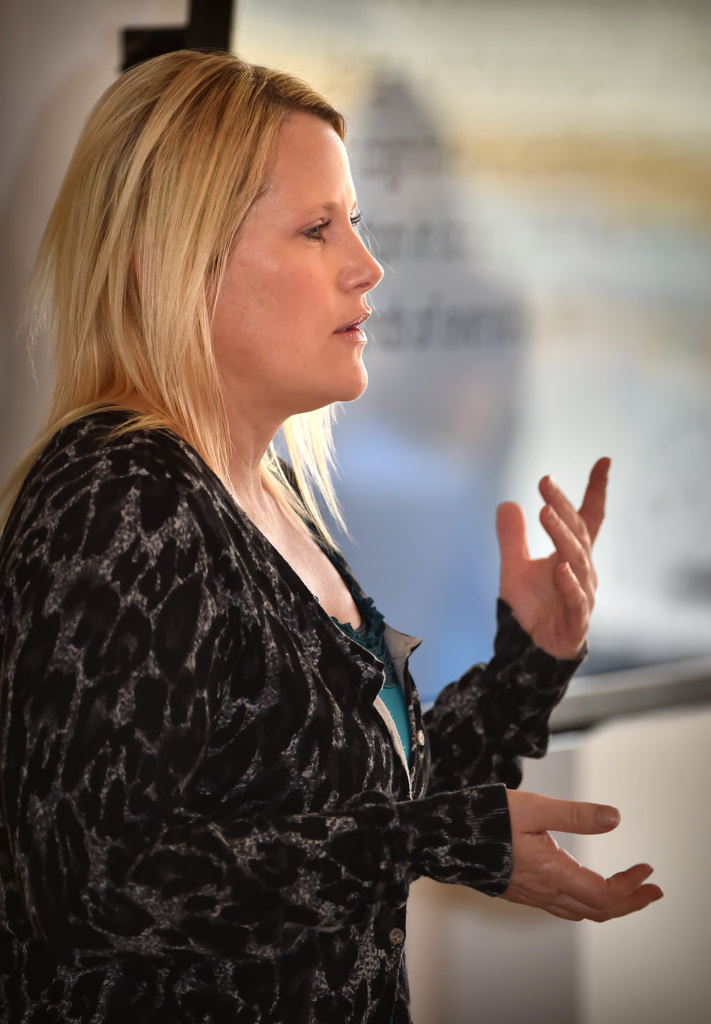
420	738
397	936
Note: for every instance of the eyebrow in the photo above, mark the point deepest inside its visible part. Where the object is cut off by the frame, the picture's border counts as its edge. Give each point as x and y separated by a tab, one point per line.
327	207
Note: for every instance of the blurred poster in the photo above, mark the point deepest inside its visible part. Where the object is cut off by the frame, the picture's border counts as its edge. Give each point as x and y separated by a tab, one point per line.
536	180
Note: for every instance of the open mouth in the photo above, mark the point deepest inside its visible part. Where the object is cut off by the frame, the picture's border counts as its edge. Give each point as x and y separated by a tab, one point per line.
354	327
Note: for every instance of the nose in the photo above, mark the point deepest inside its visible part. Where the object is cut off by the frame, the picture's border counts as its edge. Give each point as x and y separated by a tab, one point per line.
364	272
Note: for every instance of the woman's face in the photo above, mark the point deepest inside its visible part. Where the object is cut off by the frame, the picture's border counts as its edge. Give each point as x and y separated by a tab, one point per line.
287	330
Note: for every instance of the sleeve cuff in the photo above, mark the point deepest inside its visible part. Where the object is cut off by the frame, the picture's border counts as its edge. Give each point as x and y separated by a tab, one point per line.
461	838
516	648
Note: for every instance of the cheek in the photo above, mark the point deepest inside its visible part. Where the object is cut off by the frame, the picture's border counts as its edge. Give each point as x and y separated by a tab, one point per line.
267	304
285	309
241	312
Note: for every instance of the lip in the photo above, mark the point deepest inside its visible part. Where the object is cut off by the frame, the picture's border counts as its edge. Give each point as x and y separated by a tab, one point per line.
354	325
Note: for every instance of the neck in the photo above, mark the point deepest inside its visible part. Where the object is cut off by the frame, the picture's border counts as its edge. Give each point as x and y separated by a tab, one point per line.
250	438
249	442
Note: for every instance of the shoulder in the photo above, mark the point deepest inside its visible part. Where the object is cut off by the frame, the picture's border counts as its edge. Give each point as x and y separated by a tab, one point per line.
89	453
92	490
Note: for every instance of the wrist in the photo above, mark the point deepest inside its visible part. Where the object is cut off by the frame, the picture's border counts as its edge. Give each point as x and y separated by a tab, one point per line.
462	837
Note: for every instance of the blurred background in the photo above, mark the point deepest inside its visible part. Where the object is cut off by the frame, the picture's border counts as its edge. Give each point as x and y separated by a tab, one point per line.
535	176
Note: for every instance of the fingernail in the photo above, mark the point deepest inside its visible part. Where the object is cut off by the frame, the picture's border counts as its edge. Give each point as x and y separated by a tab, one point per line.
607	817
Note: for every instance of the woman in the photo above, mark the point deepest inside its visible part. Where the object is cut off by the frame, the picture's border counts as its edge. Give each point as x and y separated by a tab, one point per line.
212	808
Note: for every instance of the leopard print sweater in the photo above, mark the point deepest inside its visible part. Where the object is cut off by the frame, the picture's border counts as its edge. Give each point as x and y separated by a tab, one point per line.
204	817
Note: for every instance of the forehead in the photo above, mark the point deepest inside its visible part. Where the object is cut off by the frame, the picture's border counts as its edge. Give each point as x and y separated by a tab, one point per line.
311	164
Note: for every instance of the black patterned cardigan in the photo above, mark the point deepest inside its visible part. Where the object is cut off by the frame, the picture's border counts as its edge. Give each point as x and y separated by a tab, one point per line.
204	817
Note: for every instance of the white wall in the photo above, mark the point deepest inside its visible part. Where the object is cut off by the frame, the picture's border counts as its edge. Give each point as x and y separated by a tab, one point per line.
656	966
478	960
56	58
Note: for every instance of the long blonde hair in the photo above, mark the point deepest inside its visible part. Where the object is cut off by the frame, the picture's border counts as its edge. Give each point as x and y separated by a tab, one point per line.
171	160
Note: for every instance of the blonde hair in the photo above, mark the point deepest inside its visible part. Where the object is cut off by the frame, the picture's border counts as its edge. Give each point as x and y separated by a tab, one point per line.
170	162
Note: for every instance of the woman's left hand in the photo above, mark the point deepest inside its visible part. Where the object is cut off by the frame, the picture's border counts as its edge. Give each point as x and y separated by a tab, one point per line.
552	598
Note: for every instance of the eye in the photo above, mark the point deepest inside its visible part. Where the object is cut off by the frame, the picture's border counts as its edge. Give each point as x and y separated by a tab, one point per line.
316	232
356	218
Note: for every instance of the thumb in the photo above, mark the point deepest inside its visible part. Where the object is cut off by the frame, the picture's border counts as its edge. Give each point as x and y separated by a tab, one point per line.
511	531
531	812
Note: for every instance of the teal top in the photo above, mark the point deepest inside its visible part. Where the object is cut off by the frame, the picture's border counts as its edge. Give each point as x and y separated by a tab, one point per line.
371	636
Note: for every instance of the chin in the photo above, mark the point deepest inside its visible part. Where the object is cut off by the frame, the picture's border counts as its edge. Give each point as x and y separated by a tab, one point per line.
346	387
349	387
358	387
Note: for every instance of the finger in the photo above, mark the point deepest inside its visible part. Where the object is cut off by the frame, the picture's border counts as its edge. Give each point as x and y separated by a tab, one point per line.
634	901
569	549
531	812
599	895
511	531
584	893
627	897
592	510
579	893
625	881
559	502
577	603
626	890
574	910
